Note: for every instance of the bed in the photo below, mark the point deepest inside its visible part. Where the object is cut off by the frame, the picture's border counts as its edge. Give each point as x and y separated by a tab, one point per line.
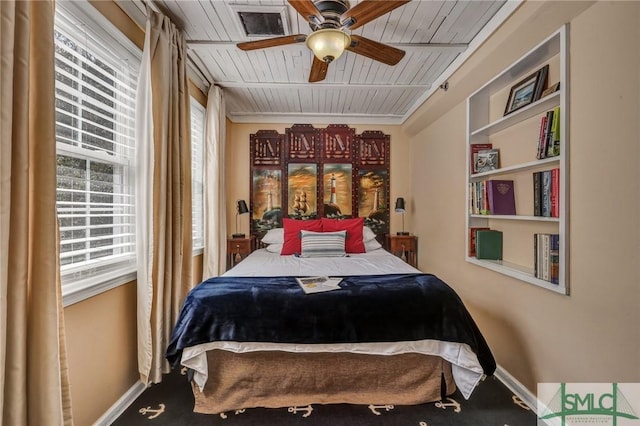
391	335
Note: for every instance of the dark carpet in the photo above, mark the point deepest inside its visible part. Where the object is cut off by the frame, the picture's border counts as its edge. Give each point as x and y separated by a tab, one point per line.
491	404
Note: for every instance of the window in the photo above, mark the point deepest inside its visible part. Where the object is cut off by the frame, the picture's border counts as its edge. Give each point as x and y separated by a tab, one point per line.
197	173
96	71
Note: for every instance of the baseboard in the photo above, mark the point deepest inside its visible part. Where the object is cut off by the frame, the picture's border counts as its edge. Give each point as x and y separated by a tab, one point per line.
121	405
517	388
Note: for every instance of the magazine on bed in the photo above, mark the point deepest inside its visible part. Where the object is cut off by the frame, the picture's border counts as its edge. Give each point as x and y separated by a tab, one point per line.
318	284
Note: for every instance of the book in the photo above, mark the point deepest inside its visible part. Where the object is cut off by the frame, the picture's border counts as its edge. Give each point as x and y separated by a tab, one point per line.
537	193
546	256
472	239
474	148
487	160
545	198
553	147
554	259
555	192
318	284
546	249
547	136
489	245
501	197
543	127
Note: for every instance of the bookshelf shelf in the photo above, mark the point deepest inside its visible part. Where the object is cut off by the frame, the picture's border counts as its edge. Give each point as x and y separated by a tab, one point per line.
517	168
516	271
520	115
516	217
513	137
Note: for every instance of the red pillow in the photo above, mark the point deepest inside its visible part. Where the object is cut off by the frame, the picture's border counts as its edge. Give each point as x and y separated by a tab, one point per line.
292	230
354	227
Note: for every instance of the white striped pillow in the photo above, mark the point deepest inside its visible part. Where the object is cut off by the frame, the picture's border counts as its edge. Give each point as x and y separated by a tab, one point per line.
323	244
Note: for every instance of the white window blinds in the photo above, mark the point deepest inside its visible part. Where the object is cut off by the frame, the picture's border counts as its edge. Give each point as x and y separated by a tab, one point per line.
197	172
96	72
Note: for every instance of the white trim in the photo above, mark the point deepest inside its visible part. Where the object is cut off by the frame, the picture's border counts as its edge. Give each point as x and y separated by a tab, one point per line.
121	405
265	117
517	388
77	292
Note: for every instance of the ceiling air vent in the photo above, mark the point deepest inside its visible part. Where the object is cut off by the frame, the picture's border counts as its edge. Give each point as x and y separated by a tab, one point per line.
261	21
261	24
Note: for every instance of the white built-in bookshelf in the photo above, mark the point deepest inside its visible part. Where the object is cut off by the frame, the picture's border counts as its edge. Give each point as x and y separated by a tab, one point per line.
516	136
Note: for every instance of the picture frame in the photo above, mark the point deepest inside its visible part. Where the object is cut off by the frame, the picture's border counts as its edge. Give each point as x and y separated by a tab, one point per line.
487	160
527	90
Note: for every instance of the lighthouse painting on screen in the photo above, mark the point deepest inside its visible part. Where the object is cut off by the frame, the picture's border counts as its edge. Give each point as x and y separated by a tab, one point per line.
373	198
267	199
338	180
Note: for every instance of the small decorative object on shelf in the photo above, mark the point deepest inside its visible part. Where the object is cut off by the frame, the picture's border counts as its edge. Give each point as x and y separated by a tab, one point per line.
474	149
238	249
405	247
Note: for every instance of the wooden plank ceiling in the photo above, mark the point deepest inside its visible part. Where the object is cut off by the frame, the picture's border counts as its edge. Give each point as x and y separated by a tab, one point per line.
270	85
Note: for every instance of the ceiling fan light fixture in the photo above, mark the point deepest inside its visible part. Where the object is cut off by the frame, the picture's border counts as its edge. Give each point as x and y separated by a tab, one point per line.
328	44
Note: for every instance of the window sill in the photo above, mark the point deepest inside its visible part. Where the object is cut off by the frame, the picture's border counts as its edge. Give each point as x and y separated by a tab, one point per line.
82	290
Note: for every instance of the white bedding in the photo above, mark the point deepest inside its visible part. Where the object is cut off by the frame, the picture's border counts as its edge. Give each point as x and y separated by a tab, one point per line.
466	369
262	263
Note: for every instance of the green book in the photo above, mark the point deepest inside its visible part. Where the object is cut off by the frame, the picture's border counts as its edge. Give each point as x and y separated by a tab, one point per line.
553	149
489	245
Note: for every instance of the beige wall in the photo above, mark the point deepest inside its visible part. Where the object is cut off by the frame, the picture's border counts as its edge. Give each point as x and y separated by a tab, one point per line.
537	335
101	344
237	168
101	337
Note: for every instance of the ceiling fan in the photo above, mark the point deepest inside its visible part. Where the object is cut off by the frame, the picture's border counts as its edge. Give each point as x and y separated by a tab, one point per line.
330	20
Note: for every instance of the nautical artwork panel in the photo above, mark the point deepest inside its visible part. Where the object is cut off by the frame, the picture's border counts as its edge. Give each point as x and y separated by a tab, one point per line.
373	197
310	172
266	204
302	187
338	186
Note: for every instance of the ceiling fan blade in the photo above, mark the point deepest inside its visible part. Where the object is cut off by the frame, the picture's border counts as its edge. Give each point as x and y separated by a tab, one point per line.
271	42
308	10
377	51
318	70
368	10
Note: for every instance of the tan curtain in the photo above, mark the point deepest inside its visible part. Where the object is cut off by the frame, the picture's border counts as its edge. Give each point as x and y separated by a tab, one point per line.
163	193
34	386
215	208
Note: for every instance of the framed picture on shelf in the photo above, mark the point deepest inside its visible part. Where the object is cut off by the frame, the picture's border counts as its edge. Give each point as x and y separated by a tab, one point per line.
527	90
487	160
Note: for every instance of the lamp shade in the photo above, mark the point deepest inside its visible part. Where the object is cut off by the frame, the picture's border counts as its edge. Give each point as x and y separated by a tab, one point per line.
400	205
328	44
242	207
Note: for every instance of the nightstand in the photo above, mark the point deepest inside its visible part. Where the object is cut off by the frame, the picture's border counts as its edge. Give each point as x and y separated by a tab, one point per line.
238	249
405	247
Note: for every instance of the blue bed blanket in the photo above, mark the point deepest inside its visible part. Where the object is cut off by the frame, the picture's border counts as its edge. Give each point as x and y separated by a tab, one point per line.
374	308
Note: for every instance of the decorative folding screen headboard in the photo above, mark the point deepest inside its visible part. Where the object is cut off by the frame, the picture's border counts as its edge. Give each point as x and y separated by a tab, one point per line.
308	173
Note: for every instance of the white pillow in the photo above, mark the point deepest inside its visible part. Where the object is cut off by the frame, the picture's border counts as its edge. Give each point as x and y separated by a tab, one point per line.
372	245
322	244
274	248
274	236
367	234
